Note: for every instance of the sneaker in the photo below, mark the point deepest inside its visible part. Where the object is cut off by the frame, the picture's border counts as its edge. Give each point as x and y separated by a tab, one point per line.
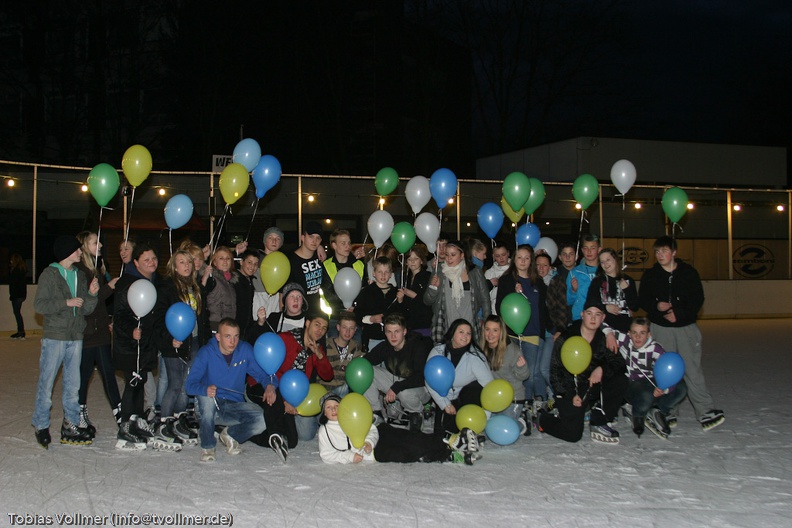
208	455
43	437
278	445
164	438
232	446
85	422
638	425
127	440
711	419
604	434
73	435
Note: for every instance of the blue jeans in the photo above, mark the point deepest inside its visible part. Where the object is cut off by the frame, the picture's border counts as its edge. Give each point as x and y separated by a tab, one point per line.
535	385
244	419
641	397
306	427
175	399
53	354
545	356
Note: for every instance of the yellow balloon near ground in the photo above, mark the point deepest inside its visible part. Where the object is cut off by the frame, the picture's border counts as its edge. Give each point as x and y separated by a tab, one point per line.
497	395
355	418
471	416
136	164
234	182
311	405
275	269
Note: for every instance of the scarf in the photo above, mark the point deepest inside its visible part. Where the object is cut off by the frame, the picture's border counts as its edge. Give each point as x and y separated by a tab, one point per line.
455	354
454	275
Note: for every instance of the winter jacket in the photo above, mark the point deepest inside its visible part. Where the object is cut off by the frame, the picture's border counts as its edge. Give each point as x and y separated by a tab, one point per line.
125	349
167	296
407	363
564	383
558	310
479	294
418	314
640	361
577	299
507	284
211	368
472	367
335	447
245	290
495	272
221	301
313	367
510	372
606	290
682	288
371	301
97	323
353	350
61	322
328	284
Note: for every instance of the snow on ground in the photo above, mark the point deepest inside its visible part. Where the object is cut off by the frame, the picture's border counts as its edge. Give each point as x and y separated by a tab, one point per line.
736	475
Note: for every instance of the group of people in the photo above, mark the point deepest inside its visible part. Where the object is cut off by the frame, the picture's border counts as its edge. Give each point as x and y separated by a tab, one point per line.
411	308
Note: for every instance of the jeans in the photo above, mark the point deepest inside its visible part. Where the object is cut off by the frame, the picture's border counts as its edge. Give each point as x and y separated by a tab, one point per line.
162	381
100	356
175	398
641	397
306	427
545	356
16	305
535	385
244	419
53	354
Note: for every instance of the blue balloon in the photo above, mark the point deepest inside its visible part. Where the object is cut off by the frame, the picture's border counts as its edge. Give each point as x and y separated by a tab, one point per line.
442	185
439	373
248	153
669	369
269	352
490	219
528	233
502	429
266	174
180	321
294	387
178	211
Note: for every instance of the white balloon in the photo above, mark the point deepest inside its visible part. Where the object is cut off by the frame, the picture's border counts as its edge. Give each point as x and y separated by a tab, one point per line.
347	285
623	175
427	228
380	227
550	247
418	193
142	296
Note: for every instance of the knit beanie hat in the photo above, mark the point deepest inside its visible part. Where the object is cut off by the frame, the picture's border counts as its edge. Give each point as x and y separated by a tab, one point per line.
330	397
64	246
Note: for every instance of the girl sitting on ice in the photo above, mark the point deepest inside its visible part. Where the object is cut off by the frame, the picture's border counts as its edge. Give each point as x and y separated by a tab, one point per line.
335	447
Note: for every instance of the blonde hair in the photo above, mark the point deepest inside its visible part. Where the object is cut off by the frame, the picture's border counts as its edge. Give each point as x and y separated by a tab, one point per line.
185	286
494	356
88	260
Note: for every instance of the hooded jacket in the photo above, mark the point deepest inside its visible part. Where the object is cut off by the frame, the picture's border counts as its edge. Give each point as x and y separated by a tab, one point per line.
211	368
681	287
61	322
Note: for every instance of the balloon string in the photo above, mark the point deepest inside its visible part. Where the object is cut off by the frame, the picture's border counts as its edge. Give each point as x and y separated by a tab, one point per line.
580	231
251	220
170	241
401	263
220	225
129	215
624	229
98	238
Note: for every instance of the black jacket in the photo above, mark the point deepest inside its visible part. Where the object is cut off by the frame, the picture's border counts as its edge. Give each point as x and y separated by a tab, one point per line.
407	363
167	296
125	349
682	288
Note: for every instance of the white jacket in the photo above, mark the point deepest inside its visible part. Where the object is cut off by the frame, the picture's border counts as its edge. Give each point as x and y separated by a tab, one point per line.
335	447
494	273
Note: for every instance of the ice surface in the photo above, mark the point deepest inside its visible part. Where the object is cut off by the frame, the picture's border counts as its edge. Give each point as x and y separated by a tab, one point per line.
736	475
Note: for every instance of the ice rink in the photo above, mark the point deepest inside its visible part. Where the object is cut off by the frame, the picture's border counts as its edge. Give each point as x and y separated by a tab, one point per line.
739	474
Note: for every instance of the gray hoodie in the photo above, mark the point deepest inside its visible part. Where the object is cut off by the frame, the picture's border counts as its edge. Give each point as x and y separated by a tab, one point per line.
55	287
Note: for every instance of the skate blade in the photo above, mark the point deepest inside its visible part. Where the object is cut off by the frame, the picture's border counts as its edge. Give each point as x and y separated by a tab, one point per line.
657	432
126	445
602	439
159	445
76	442
712	425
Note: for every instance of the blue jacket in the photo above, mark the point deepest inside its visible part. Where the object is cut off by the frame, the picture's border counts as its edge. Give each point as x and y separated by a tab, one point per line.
577	299
211	368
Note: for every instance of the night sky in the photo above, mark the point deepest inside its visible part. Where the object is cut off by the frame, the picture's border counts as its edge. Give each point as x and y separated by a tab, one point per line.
298	77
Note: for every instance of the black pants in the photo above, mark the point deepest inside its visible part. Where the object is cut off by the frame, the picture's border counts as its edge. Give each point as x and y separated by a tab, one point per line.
278	422
132	399
470	393
101	357
401	445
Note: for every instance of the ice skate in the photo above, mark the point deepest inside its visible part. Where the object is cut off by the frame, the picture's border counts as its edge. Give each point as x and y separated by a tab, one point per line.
85	422
604	434
182	429
278	444
711	419
126	440
656	423
140	427
73	435
164	438
43	437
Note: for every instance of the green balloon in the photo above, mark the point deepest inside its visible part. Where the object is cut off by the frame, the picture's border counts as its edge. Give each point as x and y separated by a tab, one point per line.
585	190
386	181
515	310
103	183
359	375
516	190
675	202
403	236
536	198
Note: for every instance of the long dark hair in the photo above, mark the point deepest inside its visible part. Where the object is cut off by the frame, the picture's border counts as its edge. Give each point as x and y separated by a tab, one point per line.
601	272
533	275
17	262
473	347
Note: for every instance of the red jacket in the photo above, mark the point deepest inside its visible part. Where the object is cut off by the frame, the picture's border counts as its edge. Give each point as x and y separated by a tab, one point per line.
322	367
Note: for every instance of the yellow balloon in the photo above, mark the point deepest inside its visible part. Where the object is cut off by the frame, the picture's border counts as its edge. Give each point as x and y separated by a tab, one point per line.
310	406
136	164
510	213
471	416
355	418
275	270
497	395
576	355
234	182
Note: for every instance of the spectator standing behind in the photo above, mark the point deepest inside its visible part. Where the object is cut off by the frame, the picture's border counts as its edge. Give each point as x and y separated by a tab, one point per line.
500	255
341	243
410	296
374	302
64	298
457	290
96	349
614	289
245	290
342	349
221	300
306	267
559	311
125	249
579	279
17	289
273	241
672	295
217	380
547	273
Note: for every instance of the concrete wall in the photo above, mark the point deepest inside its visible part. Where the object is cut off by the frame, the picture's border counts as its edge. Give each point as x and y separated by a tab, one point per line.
724	300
